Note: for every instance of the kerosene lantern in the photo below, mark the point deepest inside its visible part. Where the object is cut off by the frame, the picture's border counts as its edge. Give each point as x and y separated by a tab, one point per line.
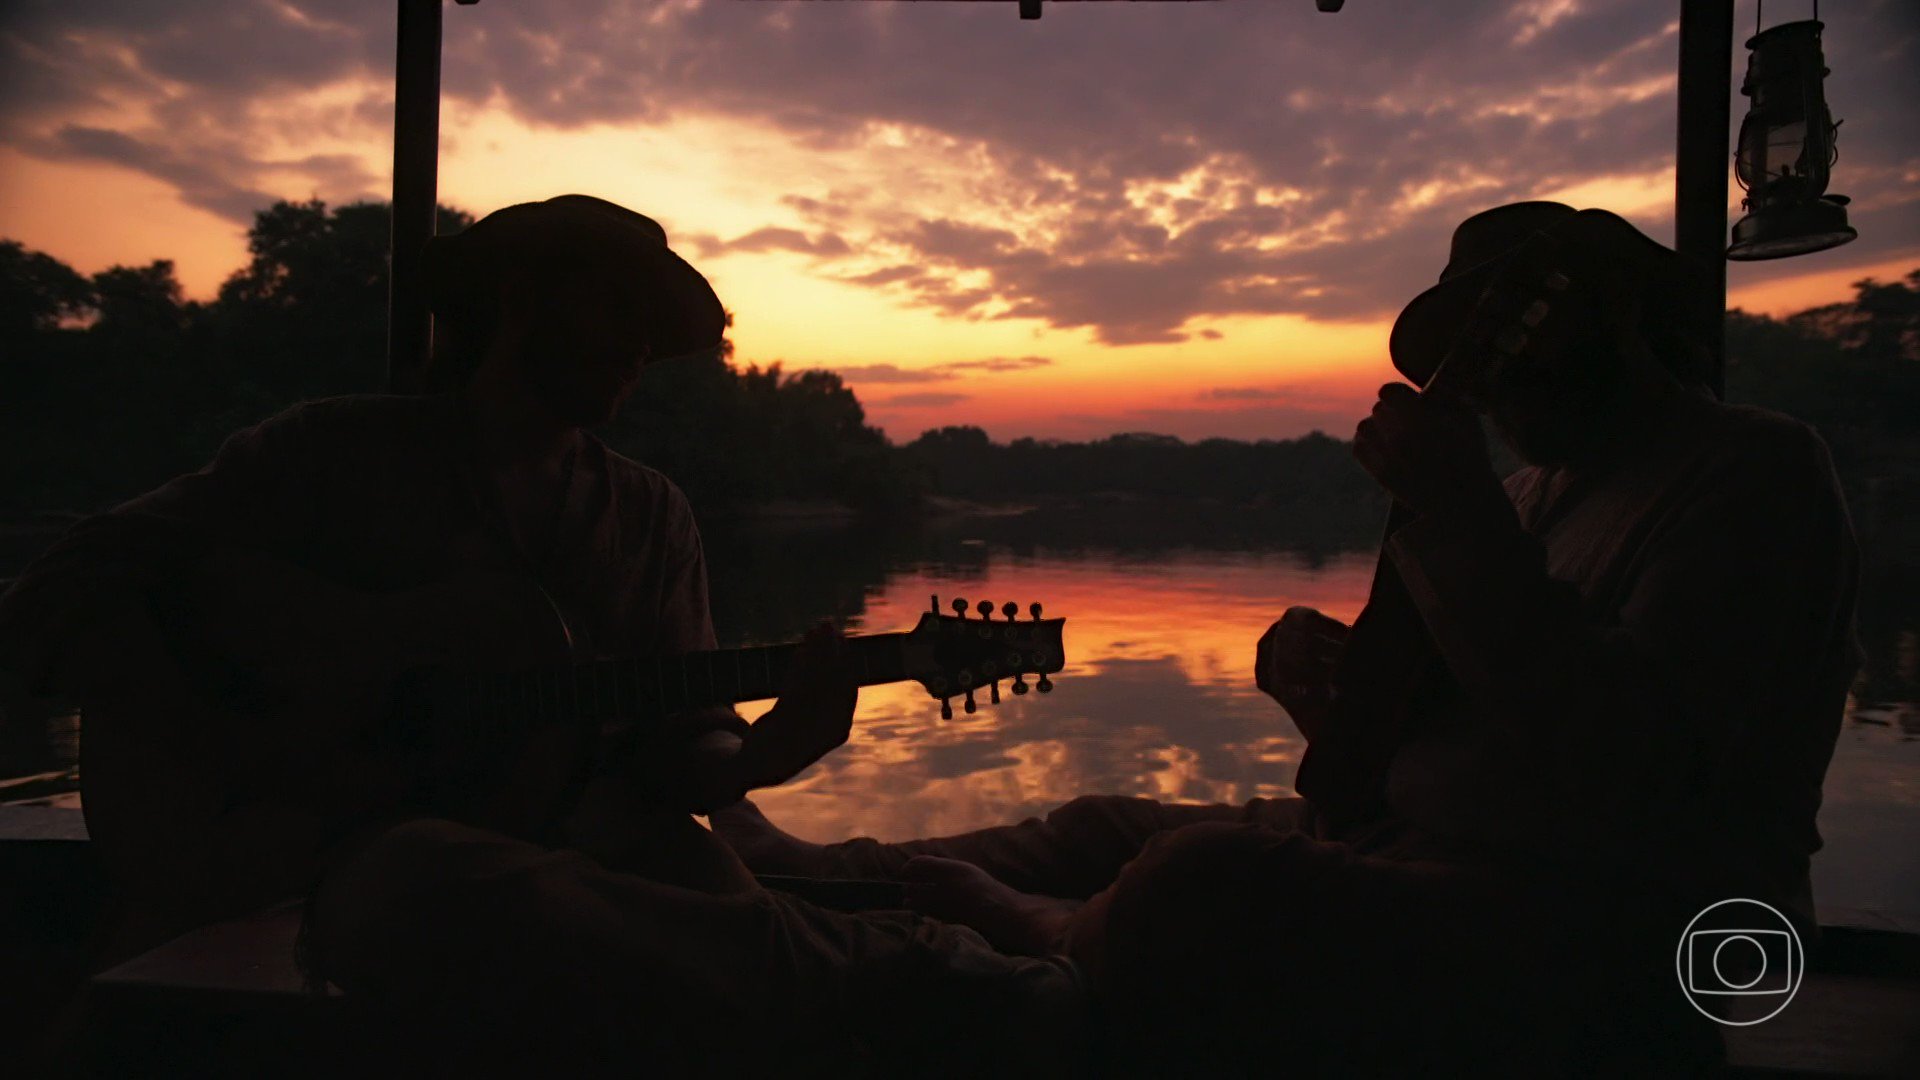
1786	149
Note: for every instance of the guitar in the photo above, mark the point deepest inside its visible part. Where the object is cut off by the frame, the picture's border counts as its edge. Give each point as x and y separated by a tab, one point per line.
469	696
1527	313
948	655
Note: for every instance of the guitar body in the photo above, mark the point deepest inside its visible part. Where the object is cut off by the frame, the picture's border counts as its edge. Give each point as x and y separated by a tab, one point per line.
318	674
263	713
294	625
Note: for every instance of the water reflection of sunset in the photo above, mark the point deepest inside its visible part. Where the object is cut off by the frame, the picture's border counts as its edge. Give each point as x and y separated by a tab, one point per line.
1157	698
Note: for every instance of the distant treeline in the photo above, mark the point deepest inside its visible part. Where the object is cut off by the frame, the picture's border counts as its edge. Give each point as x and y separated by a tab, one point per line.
1851	369
1315	470
113	382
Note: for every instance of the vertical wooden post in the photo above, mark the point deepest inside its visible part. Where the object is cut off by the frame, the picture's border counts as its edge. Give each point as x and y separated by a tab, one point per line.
1700	161
416	167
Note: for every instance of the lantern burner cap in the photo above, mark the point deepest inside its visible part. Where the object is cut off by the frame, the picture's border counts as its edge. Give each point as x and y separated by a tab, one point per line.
1775	231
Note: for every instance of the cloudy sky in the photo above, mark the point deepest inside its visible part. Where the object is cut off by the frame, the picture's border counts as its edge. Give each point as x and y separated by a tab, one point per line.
1196	218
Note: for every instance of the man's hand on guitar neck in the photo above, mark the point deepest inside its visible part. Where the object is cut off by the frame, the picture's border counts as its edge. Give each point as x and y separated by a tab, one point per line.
813	717
1429	454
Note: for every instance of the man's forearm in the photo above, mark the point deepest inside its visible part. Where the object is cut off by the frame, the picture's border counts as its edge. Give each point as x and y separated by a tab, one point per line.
719	771
713	769
723	765
1481	586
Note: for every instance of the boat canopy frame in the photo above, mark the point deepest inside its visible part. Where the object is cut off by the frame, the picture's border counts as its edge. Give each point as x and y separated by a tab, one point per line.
1701	154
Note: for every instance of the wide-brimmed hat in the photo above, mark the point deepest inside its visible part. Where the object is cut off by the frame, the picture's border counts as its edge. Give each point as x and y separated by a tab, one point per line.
565	237
1608	253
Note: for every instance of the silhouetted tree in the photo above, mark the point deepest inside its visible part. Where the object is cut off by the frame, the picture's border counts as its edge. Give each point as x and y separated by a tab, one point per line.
1851	370
112	383
307	316
139	305
38	294
728	435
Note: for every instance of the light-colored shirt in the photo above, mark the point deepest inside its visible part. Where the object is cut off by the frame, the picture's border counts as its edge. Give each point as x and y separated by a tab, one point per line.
1653	668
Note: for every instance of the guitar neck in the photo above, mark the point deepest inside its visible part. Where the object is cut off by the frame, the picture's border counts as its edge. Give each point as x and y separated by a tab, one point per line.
665	684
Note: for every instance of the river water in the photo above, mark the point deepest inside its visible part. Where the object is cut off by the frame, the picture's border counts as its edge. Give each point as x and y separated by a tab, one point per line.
1157	697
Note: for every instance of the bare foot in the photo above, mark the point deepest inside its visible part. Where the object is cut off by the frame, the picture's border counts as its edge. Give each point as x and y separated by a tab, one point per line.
1010	920
763	847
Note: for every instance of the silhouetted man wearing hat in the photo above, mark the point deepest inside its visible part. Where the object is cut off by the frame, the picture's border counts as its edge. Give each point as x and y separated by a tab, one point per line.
616	934
1577	709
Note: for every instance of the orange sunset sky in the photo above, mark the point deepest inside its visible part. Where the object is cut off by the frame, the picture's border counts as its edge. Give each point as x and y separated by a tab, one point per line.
1187	218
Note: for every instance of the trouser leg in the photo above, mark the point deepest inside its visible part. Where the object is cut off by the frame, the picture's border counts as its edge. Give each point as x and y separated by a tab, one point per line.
495	944
1238	950
1072	852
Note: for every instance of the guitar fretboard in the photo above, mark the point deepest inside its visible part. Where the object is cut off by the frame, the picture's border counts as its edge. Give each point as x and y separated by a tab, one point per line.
619	689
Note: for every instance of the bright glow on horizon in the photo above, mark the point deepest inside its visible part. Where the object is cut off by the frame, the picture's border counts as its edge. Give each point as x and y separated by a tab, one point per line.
1172	636
788	216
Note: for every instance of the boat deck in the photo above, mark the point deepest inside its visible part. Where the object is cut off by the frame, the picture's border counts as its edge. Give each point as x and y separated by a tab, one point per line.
233	989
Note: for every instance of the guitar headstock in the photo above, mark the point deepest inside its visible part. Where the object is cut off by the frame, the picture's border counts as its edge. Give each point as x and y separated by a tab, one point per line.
956	656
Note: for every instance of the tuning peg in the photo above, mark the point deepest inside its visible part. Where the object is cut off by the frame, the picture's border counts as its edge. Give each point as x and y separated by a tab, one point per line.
1045	685
946	709
960	606
1019	685
1009	609
985	608
971	707
1034	610
994	686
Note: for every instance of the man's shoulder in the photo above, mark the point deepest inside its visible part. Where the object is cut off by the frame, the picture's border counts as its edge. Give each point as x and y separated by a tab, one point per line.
643	483
362	410
380	425
1757	436
1759	457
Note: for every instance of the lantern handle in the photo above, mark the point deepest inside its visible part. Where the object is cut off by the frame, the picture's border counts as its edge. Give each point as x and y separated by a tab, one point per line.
1760	5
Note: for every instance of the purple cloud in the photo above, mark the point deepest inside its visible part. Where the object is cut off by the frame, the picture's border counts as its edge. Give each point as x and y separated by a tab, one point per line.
772	238
998	363
888	275
889	373
1246	393
931	399
1125	168
893	373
